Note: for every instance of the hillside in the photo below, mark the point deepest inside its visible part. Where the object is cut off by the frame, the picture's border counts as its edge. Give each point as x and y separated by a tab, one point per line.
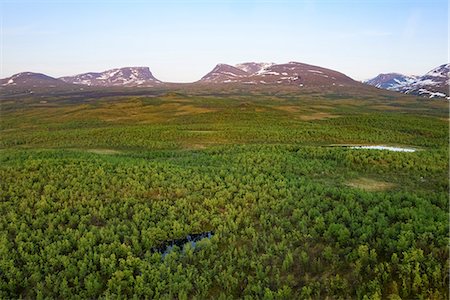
434	84
124	77
292	73
32	80
391	81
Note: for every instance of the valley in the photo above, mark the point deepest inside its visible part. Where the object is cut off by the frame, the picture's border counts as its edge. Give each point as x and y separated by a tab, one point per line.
224	149
205	192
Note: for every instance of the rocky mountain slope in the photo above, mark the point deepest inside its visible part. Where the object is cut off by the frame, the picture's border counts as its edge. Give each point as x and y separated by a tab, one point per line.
391	81
434	84
129	77
31	80
292	73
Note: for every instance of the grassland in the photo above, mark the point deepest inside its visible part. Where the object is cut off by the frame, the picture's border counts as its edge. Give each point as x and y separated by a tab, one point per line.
178	121
92	184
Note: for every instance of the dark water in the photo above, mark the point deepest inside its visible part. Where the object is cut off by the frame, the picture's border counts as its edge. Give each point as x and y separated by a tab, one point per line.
192	239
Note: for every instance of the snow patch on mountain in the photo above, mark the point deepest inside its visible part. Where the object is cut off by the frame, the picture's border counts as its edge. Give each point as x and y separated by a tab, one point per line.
431	94
31	80
271	73
254	68
391	81
434	84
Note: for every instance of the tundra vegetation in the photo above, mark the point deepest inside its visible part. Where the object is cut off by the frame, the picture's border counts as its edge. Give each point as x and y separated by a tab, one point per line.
91	186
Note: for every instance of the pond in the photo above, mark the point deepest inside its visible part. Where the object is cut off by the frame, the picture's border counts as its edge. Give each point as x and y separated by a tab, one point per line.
389	148
192	239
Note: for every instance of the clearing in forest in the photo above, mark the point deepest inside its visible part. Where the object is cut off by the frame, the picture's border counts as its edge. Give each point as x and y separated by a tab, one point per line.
370	185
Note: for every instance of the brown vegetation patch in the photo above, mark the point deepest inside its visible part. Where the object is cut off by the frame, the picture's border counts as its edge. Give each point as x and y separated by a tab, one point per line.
387	107
289	108
196	147
103	151
190	109
305	115
322	107
370	185
318	116
202	131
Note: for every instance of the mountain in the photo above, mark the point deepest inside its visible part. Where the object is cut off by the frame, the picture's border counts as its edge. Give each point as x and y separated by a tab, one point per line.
433	84
31	80
253	67
129	77
223	73
301	74
292	73
391	81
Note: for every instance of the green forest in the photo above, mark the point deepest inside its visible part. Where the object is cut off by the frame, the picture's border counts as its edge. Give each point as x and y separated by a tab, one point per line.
93	191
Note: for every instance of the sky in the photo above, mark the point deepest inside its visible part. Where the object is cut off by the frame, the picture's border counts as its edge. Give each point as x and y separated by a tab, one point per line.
180	41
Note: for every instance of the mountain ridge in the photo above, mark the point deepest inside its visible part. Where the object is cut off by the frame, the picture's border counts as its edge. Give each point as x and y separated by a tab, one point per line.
390	81
297	73
125	76
433	84
31	79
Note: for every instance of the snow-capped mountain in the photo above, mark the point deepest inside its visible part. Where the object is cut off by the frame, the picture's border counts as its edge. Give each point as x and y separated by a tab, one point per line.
129	76
30	80
254	68
433	84
391	81
224	73
293	73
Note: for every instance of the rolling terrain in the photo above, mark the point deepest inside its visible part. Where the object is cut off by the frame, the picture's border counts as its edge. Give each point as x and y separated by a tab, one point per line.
224	190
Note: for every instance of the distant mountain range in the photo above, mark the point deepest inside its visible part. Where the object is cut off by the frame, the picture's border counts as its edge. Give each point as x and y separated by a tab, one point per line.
127	77
433	84
295	74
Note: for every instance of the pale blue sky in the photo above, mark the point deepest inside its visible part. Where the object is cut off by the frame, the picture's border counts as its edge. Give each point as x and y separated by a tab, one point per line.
183	40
